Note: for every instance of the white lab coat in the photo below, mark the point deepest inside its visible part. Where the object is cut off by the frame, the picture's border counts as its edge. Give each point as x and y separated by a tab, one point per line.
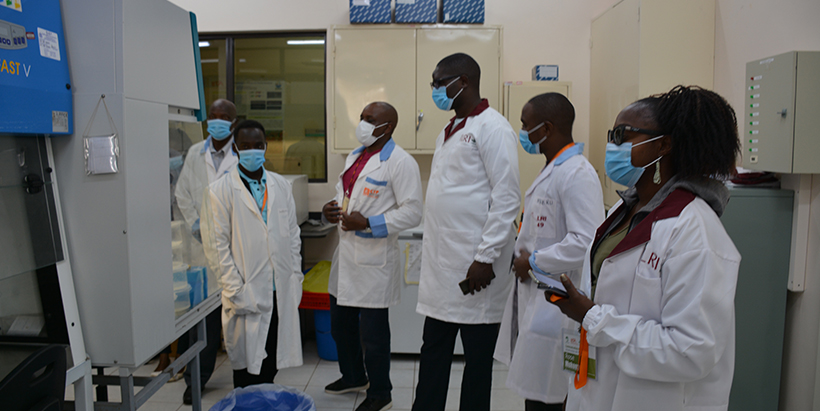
250	255
472	200
197	173
562	209
365	270
664	322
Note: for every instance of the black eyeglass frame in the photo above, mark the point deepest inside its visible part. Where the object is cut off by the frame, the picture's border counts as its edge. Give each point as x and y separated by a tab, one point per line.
437	83
616	135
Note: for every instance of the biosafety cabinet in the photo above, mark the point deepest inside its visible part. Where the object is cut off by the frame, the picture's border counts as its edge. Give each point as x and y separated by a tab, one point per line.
135	61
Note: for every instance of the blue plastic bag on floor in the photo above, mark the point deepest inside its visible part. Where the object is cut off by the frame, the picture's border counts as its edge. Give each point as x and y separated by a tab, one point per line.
265	397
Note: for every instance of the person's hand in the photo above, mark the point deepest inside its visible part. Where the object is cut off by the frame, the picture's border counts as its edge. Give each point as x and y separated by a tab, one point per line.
480	275
354	221
332	212
521	266
576	305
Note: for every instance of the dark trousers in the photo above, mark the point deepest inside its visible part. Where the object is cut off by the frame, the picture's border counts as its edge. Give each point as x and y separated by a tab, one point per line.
439	341
352	329
531	405
207	357
242	378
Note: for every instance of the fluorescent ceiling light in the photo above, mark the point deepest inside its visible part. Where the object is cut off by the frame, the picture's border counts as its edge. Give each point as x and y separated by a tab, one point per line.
210	61
242	60
204	44
304	42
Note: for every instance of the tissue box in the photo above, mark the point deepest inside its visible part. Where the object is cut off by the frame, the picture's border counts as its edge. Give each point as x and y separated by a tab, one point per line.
416	11
463	11
545	73
370	11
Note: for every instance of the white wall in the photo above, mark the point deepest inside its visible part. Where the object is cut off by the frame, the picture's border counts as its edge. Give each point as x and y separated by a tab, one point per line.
749	30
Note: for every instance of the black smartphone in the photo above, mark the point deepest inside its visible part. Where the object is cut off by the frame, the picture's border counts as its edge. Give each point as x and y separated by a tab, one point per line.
553	290
465	286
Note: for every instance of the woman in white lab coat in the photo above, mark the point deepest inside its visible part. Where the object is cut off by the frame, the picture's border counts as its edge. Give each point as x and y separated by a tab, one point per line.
562	208
255	255
662	268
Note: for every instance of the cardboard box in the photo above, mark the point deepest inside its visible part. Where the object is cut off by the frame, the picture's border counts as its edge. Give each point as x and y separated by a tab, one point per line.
463	11
370	11
416	11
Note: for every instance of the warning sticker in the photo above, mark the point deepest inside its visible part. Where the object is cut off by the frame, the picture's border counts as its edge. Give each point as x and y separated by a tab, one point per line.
59	122
49	44
12	4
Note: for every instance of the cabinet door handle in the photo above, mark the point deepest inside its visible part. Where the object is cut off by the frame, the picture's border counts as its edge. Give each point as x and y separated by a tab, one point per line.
783	112
419	119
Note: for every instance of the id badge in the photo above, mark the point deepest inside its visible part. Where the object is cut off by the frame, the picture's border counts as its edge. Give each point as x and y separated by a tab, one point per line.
572	356
345	202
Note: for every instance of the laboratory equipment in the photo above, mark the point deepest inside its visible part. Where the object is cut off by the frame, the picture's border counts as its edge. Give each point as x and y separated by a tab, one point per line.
781	104
299	184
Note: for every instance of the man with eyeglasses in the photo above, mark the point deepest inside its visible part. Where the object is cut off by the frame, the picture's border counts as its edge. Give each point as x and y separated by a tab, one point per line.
472	200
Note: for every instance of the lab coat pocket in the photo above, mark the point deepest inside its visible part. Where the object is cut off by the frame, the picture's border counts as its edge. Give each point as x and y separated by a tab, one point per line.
457	249
464	164
284	223
543	218
646	297
547	318
371	252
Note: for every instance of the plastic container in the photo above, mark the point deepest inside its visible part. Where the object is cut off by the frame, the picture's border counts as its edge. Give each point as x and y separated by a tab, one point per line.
265	397
182	298
324	341
198	281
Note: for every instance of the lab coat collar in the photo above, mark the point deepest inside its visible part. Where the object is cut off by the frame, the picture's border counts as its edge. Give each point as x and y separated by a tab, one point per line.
577	149
247	198
450	130
208	145
387	150
671	207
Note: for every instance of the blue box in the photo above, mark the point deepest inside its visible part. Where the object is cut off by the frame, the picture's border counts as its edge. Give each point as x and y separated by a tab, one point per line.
545	72
416	11
370	11
463	11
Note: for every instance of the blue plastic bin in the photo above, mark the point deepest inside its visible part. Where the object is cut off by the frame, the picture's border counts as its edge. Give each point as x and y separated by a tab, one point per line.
324	341
265	397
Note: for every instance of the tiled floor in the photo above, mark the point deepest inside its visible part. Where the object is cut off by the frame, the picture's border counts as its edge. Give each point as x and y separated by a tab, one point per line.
312	378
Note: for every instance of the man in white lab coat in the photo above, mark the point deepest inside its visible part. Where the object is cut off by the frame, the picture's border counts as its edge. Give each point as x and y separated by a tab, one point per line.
562	209
252	230
205	162
380	181
472	200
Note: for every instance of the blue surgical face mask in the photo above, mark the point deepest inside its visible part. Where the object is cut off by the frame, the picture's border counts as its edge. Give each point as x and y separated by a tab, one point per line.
440	96
252	159
529	146
219	129
618	163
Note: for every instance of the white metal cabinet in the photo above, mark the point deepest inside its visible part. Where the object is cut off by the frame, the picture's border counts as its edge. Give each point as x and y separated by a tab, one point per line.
640	48
395	64
516	97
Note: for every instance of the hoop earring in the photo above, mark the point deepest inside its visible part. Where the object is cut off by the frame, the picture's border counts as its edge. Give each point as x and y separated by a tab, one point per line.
657	177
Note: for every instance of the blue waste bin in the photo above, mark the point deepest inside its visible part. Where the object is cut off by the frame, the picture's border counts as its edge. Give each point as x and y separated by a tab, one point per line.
265	397
324	341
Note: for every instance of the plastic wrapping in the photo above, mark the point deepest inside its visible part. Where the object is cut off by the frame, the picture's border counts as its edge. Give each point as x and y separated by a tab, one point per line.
265	397
101	152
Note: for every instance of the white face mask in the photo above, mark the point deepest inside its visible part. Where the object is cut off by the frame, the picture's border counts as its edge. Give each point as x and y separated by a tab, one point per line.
364	133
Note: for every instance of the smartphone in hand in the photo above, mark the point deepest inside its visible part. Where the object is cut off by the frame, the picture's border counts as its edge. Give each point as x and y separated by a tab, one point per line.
465	286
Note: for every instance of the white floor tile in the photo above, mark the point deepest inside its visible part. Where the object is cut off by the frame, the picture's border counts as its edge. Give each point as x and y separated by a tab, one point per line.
206	405
324	400
402	398
170	392
453	398
402	378
297	377
498	365
500	379
324	376
403	362
456	375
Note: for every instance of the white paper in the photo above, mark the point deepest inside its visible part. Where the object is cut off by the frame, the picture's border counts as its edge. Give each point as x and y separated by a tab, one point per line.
27	326
101	155
549	280
412	262
49	44
361	2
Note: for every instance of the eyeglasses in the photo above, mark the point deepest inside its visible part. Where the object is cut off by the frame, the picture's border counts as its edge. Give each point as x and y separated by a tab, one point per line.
616	135
438	83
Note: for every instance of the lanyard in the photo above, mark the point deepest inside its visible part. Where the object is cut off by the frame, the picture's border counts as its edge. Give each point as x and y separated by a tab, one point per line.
566	147
265	200
354	175
580	379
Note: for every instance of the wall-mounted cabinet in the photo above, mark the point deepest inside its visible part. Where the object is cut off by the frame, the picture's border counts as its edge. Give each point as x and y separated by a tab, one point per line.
395	64
640	48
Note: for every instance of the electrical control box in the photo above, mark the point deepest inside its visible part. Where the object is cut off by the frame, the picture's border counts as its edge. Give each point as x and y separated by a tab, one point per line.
782	102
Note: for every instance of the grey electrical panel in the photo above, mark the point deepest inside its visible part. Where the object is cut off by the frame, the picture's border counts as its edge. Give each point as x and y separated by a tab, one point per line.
782	103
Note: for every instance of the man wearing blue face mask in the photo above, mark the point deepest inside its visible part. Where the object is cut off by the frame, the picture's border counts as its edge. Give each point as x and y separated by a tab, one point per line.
562	208
205	162
249	221
472	200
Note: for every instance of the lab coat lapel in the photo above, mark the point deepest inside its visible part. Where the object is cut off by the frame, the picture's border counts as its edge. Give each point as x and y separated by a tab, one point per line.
245	195
269	186
209	160
541	177
372	165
